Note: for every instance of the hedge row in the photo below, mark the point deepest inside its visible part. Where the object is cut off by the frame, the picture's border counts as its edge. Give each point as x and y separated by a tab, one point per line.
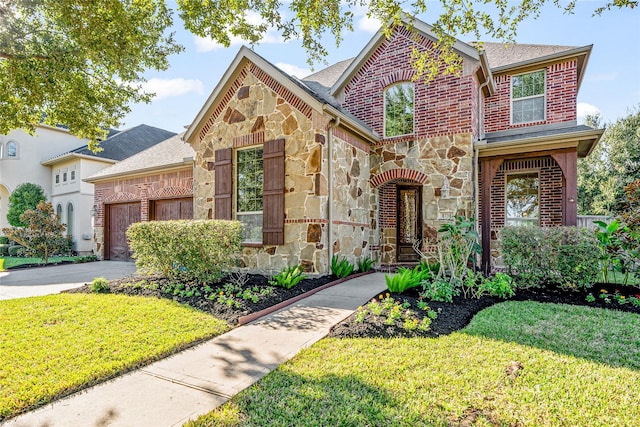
537	256
200	250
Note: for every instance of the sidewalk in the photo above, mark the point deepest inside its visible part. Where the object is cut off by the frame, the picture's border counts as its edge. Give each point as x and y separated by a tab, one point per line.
195	381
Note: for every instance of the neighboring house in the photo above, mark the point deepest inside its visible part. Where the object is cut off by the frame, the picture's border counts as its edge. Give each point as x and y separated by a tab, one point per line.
358	160
21	155
72	199
155	184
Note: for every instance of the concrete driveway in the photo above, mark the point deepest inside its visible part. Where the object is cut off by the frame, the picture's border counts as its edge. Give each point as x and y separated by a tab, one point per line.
53	279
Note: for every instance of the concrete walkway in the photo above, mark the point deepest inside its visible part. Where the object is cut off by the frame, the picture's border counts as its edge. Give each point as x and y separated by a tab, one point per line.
195	381
47	280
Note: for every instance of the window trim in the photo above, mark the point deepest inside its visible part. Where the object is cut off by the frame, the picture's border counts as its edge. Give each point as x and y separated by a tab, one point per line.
522	172
235	192
384	108
543	95
17	149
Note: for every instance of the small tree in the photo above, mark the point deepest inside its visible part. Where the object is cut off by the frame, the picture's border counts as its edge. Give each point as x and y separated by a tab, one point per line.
26	196
43	234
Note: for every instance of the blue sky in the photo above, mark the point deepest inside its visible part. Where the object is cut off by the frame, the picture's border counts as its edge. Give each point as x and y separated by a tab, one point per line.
611	84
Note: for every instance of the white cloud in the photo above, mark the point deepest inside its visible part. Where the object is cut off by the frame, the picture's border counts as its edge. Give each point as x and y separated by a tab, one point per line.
585	109
166	88
368	25
294	70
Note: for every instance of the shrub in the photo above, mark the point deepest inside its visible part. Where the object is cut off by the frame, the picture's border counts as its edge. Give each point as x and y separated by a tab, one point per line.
189	250
439	290
288	277
4	249
537	256
341	267
99	285
16	251
500	285
407	278
42	234
25	197
365	264
4	240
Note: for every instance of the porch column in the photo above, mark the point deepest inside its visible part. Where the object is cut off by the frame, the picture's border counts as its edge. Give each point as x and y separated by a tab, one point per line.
489	168
568	162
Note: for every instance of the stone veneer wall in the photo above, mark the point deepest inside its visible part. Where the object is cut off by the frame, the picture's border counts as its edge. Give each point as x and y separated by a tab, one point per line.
141	189
428	162
258	109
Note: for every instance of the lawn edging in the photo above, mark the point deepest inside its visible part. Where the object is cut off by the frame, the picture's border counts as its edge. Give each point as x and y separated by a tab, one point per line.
243	320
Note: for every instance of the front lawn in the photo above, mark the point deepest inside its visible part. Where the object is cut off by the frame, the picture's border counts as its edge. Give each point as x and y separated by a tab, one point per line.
11	261
53	345
516	363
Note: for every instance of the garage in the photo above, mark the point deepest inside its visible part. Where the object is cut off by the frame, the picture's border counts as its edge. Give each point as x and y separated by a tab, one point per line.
162	210
119	217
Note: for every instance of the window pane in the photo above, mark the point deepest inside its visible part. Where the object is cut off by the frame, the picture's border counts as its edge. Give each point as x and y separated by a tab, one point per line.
522	199
398	106
524	85
249	177
12	149
528	110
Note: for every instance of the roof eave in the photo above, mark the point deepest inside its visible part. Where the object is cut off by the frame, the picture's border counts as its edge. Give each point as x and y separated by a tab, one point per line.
72	156
583	141
141	172
245	54
555	57
352	125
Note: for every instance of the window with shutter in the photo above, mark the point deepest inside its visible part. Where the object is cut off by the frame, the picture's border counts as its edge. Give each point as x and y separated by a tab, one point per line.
224	184
273	195
249	187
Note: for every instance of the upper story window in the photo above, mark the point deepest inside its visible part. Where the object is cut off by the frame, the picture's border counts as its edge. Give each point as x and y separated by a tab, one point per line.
73	175
12	149
398	110
523	199
528	97
57	178
64	177
249	189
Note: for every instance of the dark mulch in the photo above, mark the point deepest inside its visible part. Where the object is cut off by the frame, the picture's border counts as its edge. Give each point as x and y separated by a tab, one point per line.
154	286
455	316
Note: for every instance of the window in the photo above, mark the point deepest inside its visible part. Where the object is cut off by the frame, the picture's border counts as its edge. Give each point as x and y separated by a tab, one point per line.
398	110
523	199
70	219
57	178
64	177
59	212
12	149
73	175
1	150
527	97
249	185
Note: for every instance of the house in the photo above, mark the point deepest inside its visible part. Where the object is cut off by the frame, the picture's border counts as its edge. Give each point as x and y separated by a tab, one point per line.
38	159
359	160
155	184
21	155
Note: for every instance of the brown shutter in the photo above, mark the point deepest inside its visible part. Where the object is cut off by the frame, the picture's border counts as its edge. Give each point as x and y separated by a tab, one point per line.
224	184
273	193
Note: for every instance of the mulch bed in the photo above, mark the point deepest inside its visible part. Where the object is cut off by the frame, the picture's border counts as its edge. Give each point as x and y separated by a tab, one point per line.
455	316
230	314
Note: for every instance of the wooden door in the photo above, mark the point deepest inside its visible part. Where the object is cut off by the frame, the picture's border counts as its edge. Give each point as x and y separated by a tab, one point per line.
409	221
120	217
163	210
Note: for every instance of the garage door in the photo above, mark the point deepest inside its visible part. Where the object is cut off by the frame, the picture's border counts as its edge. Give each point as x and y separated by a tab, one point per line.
172	209
121	216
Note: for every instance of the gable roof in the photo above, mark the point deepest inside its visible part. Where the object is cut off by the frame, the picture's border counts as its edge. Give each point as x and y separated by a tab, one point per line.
421	27
119	146
328	76
170	153
312	93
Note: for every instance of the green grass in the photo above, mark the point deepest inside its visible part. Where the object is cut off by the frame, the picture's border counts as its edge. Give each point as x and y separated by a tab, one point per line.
17	261
580	367
53	345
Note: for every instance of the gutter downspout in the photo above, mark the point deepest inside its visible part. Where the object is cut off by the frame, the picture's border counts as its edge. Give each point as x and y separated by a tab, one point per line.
476	168
334	123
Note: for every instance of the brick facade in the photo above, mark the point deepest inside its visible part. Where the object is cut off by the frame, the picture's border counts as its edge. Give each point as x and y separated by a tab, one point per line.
560	98
141	189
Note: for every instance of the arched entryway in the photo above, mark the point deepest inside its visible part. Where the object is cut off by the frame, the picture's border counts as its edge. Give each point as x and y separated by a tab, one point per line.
4	206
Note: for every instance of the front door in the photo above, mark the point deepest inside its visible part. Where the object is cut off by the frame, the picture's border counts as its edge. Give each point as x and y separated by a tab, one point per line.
120	217
409	222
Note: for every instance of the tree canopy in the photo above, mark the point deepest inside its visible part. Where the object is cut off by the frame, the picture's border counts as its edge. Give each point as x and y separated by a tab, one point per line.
26	196
80	63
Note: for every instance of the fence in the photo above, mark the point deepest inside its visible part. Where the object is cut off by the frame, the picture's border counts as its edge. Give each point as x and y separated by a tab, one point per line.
587	220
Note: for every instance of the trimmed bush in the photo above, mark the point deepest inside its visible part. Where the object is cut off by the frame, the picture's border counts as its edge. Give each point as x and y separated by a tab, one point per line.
4	249
537	256
200	250
99	285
